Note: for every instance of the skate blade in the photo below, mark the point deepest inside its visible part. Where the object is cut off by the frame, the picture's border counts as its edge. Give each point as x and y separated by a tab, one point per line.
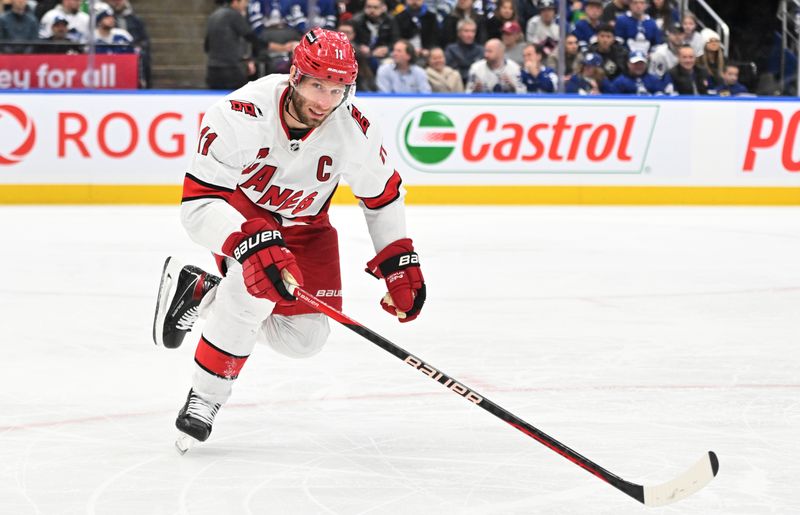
166	289
183	443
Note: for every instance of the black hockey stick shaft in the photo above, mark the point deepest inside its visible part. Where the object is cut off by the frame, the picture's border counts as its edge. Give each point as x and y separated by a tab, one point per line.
631	489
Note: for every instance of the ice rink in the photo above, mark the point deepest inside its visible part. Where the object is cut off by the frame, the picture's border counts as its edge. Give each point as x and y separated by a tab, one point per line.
640	337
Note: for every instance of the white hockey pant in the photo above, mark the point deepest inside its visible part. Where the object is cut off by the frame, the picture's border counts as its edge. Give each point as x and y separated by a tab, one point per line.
236	321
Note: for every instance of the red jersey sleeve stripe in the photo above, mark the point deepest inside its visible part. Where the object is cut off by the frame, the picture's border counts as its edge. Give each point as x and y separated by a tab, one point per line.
390	193
218	362
194	188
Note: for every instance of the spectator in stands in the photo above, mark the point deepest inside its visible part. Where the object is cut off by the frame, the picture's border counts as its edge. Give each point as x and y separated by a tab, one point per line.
572	56
613	10
636	29
229	57
297	16
265	14
276	44
665	55
464	52
42	6
78	28
730	86
365	81
402	75
590	79
615	55
690	35
586	29
506	11
276	39
663	13
349	8
535	76
441	8
111	39
419	26
713	58
512	35
376	31
59	37
485	8
463	10
638	81
687	77
526	9
494	73
441	77
543	29
18	24
127	20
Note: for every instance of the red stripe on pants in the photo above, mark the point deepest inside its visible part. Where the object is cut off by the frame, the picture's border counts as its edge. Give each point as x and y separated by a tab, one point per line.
217	361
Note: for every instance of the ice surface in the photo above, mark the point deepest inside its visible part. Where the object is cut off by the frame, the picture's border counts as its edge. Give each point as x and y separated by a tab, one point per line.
640	337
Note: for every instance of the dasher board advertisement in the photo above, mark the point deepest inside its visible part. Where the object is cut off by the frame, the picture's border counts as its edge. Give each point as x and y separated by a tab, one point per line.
135	138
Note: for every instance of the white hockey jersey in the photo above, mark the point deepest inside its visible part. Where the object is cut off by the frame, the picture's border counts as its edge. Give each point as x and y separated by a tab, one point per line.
246	165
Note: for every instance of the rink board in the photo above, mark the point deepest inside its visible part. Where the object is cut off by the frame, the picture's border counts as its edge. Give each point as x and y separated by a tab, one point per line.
131	148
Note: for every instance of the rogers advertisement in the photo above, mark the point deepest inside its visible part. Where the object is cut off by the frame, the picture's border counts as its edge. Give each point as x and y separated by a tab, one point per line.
116	71
148	138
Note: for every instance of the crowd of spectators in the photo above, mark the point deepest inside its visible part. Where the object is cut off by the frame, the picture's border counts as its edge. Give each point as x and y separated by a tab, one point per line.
638	47
65	27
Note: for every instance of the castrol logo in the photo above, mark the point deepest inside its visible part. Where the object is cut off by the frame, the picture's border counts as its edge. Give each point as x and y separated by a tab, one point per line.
525	137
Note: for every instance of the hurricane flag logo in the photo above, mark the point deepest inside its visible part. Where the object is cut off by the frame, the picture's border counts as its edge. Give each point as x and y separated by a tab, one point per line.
26	129
430	137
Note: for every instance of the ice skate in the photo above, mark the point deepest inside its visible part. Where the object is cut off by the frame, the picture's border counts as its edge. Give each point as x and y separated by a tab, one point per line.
180	292
194	421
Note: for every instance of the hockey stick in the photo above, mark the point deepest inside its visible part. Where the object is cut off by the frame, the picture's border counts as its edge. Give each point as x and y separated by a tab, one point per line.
695	478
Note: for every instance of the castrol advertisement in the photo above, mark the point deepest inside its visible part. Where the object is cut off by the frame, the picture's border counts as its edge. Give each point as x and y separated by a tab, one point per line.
148	138
526	137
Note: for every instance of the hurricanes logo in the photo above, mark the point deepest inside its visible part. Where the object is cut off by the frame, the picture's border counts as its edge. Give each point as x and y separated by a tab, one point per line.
27	129
430	137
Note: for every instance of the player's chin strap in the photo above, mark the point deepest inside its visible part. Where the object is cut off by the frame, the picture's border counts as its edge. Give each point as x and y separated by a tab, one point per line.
289	99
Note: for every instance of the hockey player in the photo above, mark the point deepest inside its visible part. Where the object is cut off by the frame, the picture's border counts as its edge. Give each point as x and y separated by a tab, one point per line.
269	159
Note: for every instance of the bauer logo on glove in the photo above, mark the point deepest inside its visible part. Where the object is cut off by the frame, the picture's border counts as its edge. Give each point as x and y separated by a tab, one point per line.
398	266
265	260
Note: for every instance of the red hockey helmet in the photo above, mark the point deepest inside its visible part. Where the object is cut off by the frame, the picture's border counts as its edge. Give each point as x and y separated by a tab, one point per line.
326	54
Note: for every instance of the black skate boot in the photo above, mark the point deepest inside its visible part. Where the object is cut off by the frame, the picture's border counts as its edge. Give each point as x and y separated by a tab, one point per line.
195	420
178	305
197	416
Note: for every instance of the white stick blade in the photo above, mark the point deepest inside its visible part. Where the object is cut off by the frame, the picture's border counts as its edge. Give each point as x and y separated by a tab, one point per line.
698	476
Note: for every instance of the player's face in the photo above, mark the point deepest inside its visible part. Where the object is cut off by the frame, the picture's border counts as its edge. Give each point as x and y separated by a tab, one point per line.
314	100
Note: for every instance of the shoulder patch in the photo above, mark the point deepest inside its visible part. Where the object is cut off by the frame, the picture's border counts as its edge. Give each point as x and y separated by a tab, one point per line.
361	120
248	108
